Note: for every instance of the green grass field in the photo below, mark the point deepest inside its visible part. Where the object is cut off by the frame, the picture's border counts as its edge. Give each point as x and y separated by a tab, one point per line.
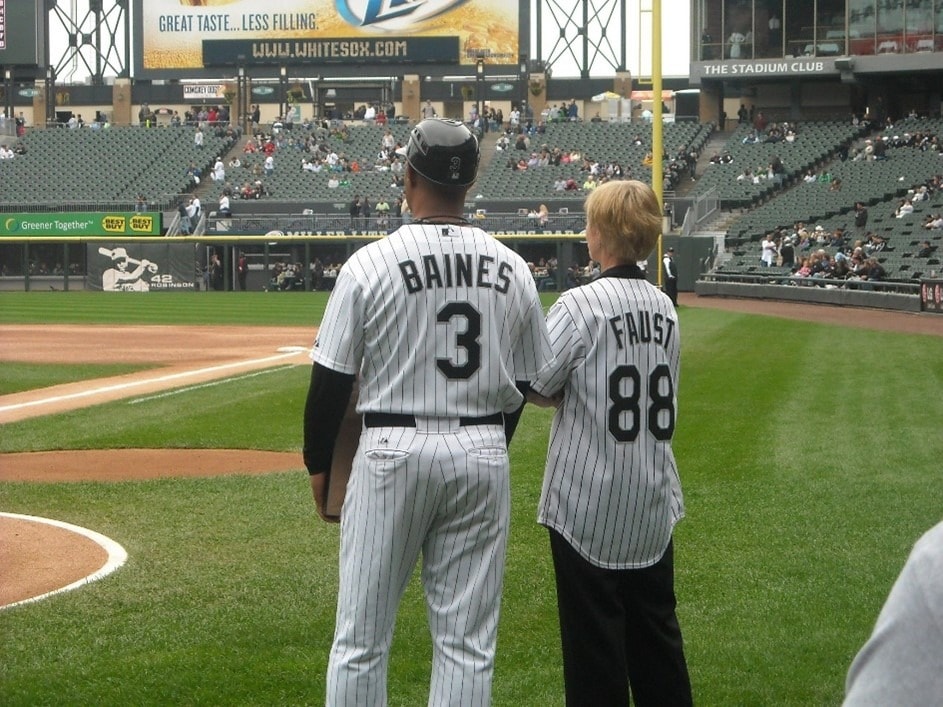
809	457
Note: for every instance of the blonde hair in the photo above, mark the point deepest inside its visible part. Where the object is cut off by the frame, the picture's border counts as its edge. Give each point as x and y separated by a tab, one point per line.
627	217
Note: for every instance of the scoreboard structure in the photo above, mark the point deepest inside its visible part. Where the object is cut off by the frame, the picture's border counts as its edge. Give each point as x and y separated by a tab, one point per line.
186	39
22	33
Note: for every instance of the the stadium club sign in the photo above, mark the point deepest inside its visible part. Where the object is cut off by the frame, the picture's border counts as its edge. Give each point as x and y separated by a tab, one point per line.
787	67
184	36
81	223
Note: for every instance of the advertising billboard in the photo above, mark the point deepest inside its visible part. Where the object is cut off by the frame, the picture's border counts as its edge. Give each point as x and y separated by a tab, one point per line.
81	223
21	32
140	267
180	38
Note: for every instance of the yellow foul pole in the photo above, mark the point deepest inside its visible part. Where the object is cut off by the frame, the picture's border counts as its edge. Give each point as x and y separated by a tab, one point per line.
657	124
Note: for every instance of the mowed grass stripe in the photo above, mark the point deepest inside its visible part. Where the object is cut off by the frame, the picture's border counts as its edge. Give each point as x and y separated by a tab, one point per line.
263	412
206	308
17	376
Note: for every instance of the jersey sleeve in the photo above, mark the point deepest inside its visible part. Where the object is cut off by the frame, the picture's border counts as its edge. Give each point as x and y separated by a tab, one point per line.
563	347
339	343
533	350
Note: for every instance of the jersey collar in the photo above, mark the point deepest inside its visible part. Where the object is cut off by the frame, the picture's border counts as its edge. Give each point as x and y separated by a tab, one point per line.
626	271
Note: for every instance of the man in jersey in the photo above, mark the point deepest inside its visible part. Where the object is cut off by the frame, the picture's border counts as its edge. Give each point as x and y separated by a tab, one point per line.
611	494
443	326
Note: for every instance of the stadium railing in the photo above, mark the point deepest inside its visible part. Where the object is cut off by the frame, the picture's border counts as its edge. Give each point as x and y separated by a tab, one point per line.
342	224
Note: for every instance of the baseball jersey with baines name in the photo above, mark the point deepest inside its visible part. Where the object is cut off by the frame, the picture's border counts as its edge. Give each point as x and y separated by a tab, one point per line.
439	320
611	485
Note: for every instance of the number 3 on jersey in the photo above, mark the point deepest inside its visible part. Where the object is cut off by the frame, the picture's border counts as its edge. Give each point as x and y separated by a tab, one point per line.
625	413
467	339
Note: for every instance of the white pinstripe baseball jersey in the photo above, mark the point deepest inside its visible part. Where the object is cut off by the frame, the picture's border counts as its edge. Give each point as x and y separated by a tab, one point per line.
444	319
611	485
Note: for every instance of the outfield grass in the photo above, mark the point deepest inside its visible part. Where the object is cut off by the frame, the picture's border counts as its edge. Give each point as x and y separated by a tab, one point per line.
16	377
809	457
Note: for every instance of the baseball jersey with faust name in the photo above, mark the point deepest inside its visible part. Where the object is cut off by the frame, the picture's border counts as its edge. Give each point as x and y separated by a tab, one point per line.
440	320
611	485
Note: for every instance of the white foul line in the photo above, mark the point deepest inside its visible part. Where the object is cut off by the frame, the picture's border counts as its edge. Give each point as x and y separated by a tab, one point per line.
117	555
146	381
222	381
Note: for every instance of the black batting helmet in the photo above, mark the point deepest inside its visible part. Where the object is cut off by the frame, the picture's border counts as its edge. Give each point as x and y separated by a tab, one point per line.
443	151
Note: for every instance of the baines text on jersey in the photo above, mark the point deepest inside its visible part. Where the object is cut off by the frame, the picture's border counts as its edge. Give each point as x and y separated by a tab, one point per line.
642	327
455	270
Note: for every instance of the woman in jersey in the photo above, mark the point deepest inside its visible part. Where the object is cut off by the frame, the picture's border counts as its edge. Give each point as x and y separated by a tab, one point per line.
611	493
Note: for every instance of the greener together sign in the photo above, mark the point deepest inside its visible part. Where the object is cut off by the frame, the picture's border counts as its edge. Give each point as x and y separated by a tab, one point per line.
81	223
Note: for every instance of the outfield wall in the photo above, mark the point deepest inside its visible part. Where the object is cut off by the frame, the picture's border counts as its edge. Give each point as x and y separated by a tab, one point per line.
836	297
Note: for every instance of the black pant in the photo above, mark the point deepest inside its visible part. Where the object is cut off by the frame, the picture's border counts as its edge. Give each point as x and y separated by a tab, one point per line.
671	289
620	632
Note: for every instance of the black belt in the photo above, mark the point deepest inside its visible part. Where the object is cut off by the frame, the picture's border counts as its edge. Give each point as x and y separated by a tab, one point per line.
391	419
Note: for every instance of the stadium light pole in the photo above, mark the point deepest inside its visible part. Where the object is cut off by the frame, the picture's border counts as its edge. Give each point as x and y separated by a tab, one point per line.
479	79
242	99
523	80
50	86
282	91
8	94
658	149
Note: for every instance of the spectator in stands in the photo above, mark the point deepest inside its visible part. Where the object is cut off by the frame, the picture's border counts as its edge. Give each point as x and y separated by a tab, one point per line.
193	211
6	153
224	210
183	218
905	208
193	174
742	115
747	176
353	211
145	115
837	238
822	264
198	138
140	204
768	251
835	185
219	170
925	250
382	210
875	244
366	211
873	271
269	165
804	269
861	215
934	222
787	252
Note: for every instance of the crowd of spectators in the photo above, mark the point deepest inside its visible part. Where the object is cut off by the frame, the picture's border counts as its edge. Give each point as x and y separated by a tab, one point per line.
520	144
839	254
